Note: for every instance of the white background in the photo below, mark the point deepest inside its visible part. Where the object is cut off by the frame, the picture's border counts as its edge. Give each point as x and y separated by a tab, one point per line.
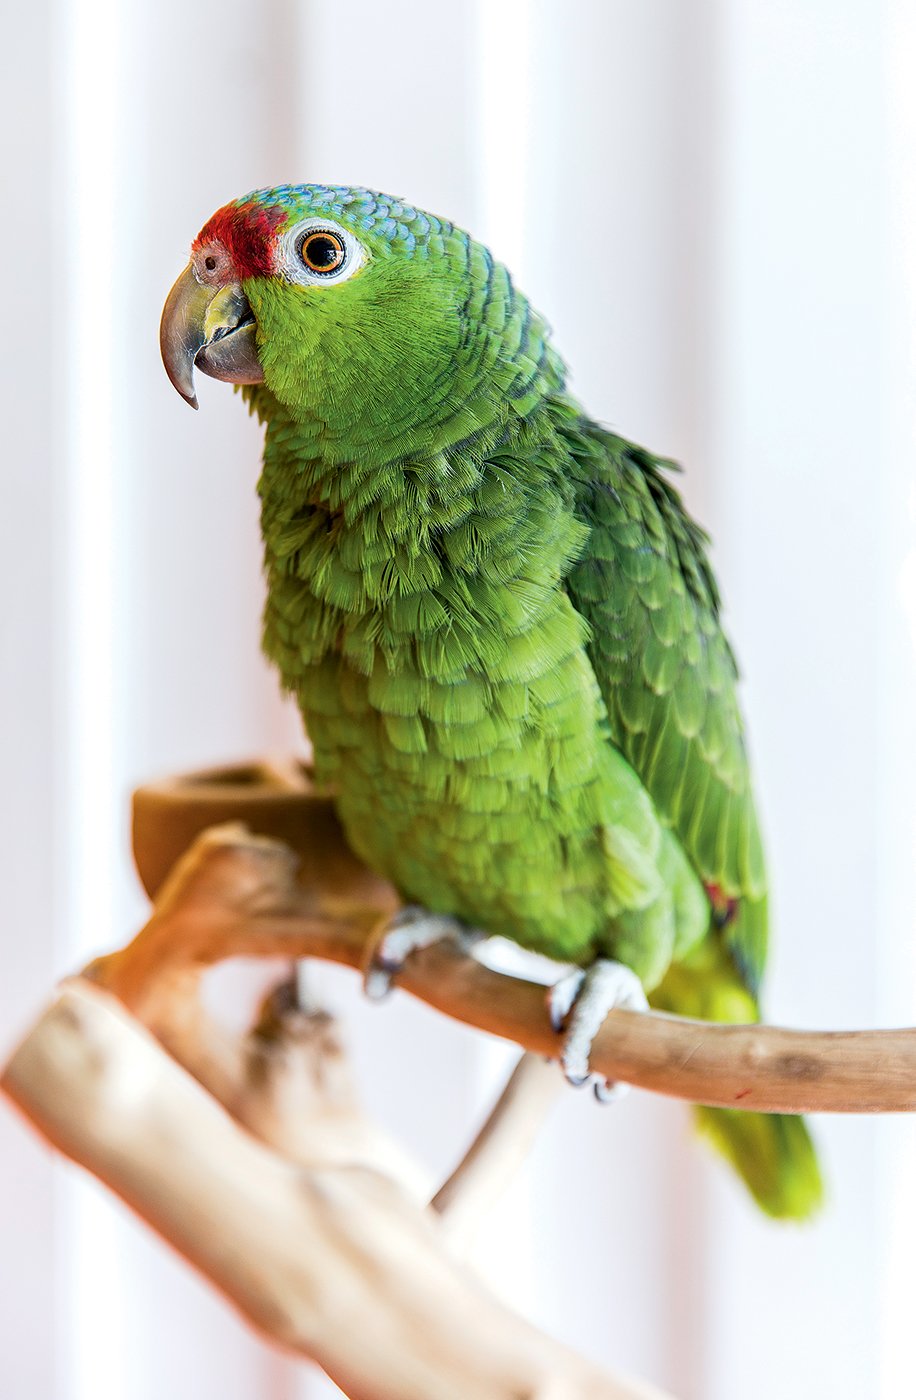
714	205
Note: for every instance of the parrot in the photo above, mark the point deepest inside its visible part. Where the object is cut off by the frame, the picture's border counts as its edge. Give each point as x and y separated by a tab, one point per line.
499	622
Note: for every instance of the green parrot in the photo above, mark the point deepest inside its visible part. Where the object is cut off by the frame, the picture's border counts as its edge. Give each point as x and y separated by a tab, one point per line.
497	618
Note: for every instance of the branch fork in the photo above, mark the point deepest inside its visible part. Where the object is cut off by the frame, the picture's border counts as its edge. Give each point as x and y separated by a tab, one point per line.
251	1156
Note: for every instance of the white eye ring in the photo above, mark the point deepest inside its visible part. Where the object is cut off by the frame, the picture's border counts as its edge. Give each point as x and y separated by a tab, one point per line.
289	259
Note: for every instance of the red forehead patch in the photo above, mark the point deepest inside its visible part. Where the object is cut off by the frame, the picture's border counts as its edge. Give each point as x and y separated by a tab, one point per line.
246	232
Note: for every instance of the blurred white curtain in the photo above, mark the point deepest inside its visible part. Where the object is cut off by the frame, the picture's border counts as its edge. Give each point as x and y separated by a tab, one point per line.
714	204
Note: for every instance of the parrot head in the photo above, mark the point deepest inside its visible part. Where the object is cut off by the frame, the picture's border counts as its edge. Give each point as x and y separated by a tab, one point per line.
358	313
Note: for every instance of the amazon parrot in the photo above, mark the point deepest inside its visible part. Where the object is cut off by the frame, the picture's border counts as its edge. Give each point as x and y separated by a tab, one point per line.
497	618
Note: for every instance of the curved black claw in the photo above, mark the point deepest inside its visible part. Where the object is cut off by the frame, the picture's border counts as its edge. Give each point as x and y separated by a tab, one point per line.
578	1005
410	928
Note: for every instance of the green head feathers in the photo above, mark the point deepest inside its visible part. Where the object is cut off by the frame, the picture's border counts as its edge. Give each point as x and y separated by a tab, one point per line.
389	330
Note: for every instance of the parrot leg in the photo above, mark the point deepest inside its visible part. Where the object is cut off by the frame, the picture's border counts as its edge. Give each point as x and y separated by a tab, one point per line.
409	929
578	1004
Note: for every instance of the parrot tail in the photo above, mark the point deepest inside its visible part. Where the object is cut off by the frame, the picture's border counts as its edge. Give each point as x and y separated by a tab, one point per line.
772	1153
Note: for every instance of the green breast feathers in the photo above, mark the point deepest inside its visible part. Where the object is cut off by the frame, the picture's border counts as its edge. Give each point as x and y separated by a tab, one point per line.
480	647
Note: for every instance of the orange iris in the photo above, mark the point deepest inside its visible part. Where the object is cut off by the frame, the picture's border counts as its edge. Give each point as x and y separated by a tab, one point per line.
322	251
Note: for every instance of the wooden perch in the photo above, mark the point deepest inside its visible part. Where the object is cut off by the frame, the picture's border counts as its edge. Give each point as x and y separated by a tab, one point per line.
500	1147
251	1155
328	1258
233	894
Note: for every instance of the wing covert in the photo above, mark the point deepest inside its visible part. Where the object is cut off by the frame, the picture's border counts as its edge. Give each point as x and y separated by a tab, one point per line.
667	672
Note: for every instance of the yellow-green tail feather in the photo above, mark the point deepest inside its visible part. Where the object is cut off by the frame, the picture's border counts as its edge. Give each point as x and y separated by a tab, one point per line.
772	1153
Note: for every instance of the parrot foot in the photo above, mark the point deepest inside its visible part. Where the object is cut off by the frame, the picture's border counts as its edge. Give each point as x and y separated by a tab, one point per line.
578	1004
411	928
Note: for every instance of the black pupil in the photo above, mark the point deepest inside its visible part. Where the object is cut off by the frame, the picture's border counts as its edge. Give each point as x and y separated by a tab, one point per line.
323	252
210	263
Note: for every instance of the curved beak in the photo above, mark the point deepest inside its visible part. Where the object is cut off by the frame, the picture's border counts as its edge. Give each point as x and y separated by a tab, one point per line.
212	328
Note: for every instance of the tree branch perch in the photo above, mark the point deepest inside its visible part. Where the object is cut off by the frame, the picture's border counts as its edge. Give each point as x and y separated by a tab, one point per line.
236	895
331	1260
252	1157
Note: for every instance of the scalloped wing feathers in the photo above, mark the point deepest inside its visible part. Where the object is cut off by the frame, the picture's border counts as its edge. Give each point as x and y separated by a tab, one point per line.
668	675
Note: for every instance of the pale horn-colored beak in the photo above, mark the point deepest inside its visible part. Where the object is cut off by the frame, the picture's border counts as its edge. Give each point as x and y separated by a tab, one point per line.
212	328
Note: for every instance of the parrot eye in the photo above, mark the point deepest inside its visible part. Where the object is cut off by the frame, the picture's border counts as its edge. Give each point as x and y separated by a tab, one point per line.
323	251
318	252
